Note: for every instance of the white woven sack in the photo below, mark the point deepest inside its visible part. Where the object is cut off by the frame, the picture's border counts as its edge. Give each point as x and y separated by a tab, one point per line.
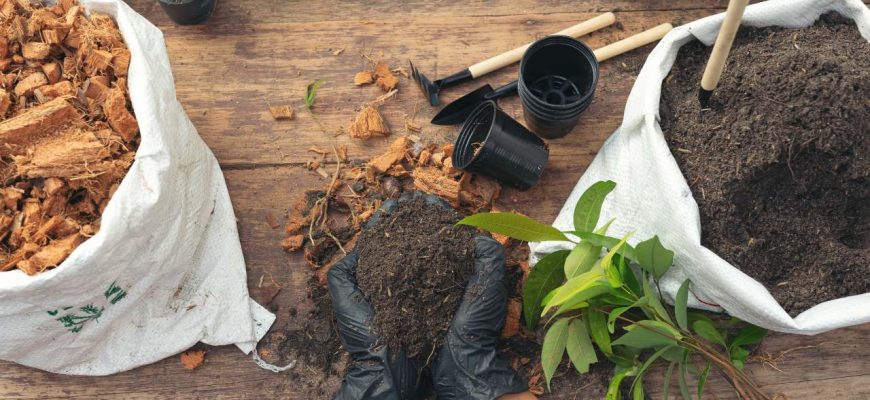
652	196
165	270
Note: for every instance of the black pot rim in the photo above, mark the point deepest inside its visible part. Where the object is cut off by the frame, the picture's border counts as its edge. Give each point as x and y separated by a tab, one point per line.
555	40
461	158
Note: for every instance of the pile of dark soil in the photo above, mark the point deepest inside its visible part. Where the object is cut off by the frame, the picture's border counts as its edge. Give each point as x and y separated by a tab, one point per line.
413	266
779	164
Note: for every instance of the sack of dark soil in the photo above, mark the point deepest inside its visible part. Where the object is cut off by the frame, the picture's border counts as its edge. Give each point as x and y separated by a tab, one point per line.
791	224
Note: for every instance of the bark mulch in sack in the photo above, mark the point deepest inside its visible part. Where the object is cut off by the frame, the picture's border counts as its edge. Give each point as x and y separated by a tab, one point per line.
779	164
67	133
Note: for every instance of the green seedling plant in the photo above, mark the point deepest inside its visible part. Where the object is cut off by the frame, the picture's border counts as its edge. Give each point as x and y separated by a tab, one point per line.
604	293
311	93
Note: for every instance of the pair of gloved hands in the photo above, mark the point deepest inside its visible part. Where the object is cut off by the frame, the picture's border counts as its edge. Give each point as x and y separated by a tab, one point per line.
465	367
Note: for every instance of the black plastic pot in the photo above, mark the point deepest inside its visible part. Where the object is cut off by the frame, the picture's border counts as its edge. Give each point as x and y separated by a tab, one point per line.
188	12
492	143
558	75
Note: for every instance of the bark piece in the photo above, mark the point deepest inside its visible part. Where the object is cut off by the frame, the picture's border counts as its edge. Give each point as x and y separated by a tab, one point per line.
280	113
95	89
363	78
51	36
191	360
394	154
34	123
51	255
60	89
385	78
293	243
97	61
5	102
115	108
52	71
120	61
35	51
368	123
512	321
73	153
26	86
432	180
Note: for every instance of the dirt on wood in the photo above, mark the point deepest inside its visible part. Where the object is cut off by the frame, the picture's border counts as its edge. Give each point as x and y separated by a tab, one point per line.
414	264
67	132
779	164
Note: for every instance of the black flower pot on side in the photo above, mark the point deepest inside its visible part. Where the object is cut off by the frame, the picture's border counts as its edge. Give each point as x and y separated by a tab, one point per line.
188	12
492	143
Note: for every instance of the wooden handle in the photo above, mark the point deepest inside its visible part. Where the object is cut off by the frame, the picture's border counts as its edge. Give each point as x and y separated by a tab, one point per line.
504	59
719	56
632	42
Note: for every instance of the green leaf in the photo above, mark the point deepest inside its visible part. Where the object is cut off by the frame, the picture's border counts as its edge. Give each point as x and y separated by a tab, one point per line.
680	306
648	334
616	312
708	331
616	381
654	257
607	263
311	92
514	225
702	380
667	383
606	241
598	330
577	289
588	208
637	389
646	364
581	259
546	276
738	356
627	274
749	335
681	378
580	349
554	347
655	302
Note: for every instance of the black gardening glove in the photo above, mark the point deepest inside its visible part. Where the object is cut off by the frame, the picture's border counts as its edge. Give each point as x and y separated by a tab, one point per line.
467	365
376	372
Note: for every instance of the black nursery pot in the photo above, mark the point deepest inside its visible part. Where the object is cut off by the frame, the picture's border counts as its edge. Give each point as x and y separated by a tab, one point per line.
188	12
558	75
494	144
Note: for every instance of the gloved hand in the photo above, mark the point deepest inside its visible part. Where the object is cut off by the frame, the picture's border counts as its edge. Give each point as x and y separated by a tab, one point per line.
467	365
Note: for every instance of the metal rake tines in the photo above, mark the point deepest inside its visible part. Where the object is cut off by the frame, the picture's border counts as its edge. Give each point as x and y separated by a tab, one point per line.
430	89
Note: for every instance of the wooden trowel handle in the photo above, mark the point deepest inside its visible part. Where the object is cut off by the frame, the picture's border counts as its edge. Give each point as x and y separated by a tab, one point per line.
719	56
632	42
512	56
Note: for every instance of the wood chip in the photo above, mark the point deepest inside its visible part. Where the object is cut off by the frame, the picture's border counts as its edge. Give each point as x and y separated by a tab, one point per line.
394	154
26	86
363	78
280	113
293	243
60	89
432	180
34	123
342	153
70	154
35	51
52	72
192	359
512	321
368	123
50	255
119	118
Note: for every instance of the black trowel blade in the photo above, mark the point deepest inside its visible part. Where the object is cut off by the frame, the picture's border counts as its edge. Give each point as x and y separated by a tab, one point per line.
456	112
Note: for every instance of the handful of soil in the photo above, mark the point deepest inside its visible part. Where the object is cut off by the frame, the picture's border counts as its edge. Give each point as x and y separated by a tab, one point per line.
413	266
779	164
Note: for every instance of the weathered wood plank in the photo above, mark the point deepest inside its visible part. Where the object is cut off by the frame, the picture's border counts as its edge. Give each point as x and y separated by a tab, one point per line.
264	67
253	12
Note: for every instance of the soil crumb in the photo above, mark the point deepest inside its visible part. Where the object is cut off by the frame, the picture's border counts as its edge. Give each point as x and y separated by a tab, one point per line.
779	164
414	265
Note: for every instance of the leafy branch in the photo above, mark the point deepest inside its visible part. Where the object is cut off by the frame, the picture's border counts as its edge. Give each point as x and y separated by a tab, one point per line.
585	296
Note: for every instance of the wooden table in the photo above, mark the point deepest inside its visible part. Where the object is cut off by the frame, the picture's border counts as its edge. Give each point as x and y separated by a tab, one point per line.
256	53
